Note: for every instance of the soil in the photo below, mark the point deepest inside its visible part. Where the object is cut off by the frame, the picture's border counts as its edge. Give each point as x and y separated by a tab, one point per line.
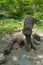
17	52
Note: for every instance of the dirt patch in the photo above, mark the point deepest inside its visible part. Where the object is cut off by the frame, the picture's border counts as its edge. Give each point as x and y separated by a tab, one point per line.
17	52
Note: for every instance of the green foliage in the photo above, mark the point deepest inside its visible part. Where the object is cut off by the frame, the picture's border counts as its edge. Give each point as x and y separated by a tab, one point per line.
9	25
18	9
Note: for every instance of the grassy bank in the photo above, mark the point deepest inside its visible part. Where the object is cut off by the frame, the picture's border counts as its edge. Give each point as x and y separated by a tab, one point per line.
38	27
9	25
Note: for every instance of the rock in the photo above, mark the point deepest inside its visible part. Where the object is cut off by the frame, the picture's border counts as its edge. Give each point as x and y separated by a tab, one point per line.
24	61
2	58
21	42
15	58
37	37
36	42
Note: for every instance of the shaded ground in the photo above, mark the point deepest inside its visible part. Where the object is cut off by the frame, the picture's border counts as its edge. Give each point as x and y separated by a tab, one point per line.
17	52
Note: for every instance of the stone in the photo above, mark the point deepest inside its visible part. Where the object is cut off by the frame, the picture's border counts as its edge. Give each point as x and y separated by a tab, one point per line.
2	58
37	37
25	61
36	42
21	42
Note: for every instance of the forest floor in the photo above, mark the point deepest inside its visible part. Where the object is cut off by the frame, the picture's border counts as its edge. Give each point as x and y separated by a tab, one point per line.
17	52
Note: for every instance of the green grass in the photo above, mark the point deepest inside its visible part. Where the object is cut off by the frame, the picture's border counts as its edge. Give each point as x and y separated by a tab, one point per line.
9	25
38	27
